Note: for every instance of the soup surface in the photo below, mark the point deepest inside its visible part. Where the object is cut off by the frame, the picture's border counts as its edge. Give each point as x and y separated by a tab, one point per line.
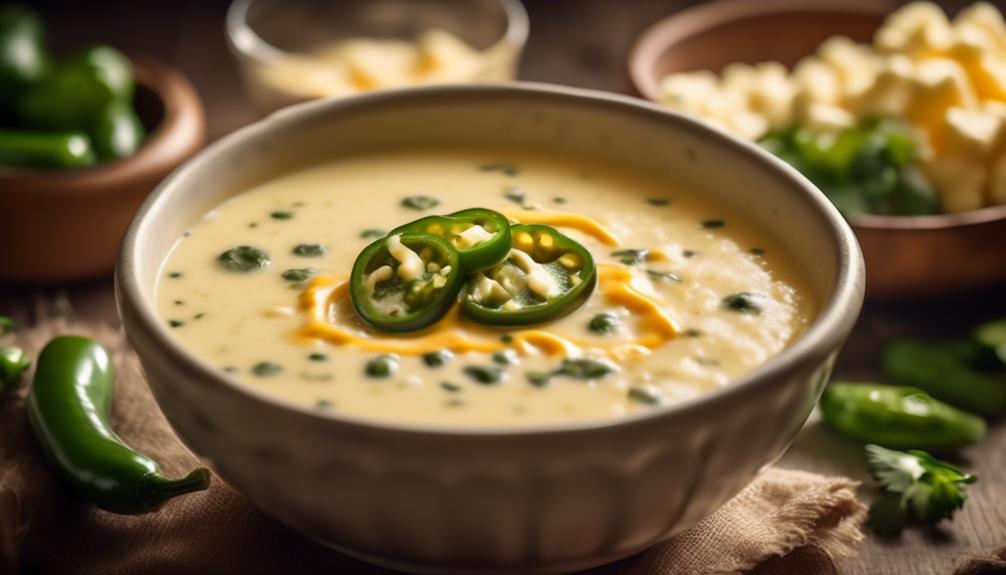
689	295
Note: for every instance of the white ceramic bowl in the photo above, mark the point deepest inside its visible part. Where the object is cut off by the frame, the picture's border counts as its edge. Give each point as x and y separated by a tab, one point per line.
545	499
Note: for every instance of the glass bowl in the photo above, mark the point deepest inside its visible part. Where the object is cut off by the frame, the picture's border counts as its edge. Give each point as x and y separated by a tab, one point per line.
281	45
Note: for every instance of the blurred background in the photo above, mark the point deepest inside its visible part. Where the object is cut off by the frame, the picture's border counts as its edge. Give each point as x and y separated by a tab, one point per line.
574	42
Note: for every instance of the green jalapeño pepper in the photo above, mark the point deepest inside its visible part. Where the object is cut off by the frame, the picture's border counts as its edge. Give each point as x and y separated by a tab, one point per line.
481	236
545	276
405	281
940	370
77	90
22	48
45	150
898	417
68	408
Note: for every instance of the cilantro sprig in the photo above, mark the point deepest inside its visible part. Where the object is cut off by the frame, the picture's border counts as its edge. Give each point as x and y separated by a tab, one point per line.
917	488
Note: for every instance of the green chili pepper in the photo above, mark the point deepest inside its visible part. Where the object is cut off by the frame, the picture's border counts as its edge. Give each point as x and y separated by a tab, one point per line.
68	408
474	257
45	150
992	335
117	132
22	49
13	363
387	300
898	417
502	295
941	371
76	91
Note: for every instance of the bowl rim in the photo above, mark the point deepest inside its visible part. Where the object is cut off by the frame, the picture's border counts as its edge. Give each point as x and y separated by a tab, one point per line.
822	338
181	106
244	42
663	34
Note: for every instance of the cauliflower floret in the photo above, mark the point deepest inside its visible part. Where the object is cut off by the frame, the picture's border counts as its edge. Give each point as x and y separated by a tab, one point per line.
987	21
857	66
689	91
816	82
919	30
825	118
772	93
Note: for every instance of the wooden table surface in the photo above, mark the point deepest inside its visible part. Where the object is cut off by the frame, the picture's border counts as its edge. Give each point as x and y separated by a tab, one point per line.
588	51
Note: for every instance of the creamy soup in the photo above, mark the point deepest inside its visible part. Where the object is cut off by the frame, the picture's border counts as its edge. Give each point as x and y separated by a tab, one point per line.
689	296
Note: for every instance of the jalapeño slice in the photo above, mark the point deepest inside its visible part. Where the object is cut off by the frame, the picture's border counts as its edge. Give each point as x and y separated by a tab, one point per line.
481	236
545	276
405	281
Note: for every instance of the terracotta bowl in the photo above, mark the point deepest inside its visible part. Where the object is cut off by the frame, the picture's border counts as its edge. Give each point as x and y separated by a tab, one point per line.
67	226
917	256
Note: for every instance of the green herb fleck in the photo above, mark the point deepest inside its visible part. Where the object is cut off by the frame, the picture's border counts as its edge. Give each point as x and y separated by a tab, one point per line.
539	378
505	357
420	202
644	396
266	368
317	357
382	366
230	369
243	259
176	322
689	253
559	200
199	315
663	275
515	195
309	250
253	225
450	387
502	167
437	358
373	233
604	323
316	376
692	332
486	375
299	274
324	404
584	368
658	201
176	275
7	325
712	224
757	251
179	302
630	257
744	302
281	215
506	338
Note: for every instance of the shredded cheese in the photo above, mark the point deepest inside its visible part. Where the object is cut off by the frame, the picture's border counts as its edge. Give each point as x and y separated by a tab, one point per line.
456	334
473	236
410	265
584	224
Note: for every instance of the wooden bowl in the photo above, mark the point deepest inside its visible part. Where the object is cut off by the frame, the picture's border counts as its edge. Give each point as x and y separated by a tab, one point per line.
905	256
61	226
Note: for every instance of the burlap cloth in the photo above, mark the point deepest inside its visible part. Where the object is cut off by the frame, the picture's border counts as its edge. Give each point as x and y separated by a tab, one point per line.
784	522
